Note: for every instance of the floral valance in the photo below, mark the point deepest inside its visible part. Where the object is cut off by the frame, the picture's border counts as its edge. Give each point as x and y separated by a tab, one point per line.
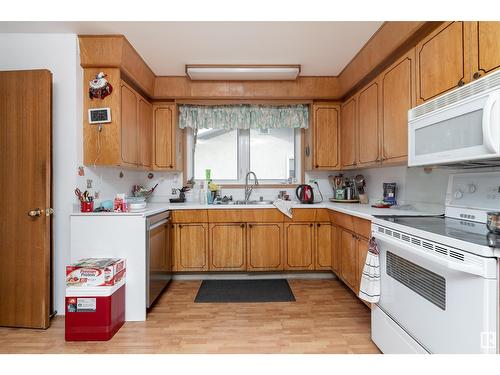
243	116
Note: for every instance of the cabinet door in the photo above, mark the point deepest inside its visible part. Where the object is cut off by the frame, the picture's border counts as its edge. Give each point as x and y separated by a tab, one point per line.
336	252
324	242
227	247
299	246
129	126
145	130
442	61
397	97
164	138
349	259
325	136
265	247
368	130
362	250
348	134
485	39
191	245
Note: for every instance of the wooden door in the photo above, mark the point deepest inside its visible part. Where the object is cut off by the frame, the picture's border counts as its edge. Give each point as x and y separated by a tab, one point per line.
368	129
485	40
362	251
25	177
265	247
164	138
191	247
129	141
145	131
324	235
326	136
299	246
442	61
397	97
227	250
349	258
348	134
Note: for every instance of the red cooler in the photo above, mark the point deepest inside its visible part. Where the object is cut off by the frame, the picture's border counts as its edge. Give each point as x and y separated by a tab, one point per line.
94	313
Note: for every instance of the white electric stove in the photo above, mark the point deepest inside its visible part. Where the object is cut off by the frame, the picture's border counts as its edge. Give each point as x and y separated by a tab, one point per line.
439	274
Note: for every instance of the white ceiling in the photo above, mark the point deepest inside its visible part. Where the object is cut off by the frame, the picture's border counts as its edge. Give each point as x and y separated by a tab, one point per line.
322	48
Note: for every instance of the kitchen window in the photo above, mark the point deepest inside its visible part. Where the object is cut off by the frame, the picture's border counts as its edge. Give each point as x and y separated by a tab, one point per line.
273	154
233	140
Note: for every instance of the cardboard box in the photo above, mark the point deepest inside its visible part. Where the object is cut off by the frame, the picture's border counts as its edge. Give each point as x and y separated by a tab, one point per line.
95	272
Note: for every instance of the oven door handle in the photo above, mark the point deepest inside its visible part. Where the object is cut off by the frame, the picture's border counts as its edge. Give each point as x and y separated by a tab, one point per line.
466	268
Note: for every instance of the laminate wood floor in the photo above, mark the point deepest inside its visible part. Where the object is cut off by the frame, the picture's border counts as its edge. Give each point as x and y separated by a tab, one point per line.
326	318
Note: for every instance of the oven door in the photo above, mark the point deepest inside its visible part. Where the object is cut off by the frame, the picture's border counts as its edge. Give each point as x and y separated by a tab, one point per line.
468	130
446	307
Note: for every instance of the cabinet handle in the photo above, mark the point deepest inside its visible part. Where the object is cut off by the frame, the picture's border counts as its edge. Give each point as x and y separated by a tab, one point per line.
460	83
316	166
308	151
170	166
242	225
250	225
318	225
311	225
476	75
180	226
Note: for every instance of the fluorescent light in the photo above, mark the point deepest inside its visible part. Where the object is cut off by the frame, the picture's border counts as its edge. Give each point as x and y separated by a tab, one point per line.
242	72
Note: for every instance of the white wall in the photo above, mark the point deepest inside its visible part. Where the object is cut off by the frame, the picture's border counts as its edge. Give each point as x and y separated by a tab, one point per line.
58	53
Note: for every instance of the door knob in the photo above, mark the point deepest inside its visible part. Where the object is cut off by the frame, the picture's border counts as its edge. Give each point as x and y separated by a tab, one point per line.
36	212
49	211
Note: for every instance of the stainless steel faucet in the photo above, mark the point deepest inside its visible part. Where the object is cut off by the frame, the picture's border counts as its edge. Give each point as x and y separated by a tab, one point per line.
249	188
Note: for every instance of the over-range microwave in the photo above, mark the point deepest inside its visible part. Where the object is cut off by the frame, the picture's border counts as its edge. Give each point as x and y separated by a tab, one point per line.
458	129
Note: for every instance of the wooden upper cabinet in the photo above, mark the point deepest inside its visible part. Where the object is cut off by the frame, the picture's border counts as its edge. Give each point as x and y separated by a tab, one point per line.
145	130
129	146
485	42
324	237
299	246
191	247
227	247
368	125
442	61
325	136
348	134
397	92
265	247
167	138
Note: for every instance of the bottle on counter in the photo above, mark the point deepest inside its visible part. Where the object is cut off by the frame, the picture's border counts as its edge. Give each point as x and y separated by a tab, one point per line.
202	194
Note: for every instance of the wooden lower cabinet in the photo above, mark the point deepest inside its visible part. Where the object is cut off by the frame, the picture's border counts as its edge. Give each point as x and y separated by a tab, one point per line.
265	246
191	247
325	239
299	246
227	249
348	258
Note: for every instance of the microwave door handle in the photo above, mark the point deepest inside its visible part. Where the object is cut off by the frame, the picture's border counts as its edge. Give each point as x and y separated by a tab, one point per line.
465	268
489	142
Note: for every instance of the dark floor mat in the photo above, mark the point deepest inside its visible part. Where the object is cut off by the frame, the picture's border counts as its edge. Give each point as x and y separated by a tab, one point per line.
268	290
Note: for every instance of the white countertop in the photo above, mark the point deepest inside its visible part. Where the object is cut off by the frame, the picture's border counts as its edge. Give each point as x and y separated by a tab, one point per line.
365	211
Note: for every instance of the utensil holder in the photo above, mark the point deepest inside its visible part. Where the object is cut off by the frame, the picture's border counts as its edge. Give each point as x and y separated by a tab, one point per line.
86	206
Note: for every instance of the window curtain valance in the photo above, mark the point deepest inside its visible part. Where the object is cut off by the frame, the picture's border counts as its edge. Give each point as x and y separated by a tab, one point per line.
243	116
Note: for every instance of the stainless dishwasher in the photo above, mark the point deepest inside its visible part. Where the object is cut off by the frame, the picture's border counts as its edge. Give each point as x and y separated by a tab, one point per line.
158	255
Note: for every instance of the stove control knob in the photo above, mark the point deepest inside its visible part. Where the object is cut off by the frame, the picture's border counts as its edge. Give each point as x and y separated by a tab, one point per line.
458	194
471	188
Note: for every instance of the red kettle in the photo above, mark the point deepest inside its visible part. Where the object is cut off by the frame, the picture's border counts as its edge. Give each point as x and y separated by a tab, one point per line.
305	194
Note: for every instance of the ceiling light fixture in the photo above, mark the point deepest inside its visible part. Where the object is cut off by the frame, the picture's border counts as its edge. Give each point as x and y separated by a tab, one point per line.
243	72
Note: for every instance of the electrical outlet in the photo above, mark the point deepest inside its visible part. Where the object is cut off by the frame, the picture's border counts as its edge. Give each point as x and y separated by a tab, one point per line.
89	183
174	191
